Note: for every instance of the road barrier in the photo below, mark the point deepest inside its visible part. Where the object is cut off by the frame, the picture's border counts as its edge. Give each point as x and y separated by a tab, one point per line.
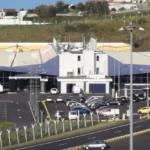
114	139
45	107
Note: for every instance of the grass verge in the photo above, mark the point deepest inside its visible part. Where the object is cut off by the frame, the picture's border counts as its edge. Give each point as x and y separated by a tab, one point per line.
5	125
66	134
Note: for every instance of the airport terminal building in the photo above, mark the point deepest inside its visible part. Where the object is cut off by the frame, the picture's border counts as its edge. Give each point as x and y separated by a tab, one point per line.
94	67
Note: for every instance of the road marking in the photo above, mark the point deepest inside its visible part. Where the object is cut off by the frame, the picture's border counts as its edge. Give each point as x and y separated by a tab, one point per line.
20	117
137	126
91	138
17	103
117	131
62	144
18	109
71	138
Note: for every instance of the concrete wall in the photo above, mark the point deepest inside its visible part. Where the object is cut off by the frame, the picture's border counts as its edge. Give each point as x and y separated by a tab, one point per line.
69	63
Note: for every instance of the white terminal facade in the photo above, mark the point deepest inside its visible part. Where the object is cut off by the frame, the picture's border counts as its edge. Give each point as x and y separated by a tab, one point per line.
85	68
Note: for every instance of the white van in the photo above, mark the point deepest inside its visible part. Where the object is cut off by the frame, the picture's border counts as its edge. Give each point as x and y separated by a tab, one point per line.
72	115
111	112
76	90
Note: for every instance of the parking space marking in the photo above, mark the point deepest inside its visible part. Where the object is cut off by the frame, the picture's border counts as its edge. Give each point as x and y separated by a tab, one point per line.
91	138
62	144
138	126
117	131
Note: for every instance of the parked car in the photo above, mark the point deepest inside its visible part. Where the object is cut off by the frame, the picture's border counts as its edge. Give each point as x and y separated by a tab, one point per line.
100	109
97	105
49	99
59	99
114	102
95	144
135	97
81	110
70	103
123	99
81	99
76	104
144	110
111	112
103	110
141	97
94	101
54	91
72	115
59	115
93	98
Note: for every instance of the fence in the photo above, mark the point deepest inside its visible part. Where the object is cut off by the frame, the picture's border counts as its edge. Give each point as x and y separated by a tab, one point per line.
45	129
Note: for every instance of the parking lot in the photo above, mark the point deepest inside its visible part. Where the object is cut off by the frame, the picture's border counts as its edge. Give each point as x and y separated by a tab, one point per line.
54	107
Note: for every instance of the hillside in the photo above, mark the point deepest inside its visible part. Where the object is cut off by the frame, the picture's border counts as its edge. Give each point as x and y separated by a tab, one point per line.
105	30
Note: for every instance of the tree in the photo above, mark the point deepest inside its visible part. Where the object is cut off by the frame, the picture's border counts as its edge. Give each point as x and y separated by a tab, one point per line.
80	7
51	11
60	7
98	8
42	11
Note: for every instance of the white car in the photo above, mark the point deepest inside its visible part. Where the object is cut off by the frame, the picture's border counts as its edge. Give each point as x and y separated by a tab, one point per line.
49	99
72	115
76	104
54	91
59	99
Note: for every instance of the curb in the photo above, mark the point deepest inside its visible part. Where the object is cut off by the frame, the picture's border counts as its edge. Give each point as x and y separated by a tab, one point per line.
114	139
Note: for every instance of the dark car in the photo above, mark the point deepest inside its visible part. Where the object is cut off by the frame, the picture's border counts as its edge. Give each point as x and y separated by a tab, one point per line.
97	105
123	99
114	102
141	97
135	98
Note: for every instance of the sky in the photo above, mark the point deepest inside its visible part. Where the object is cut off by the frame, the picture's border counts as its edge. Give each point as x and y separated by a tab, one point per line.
18	4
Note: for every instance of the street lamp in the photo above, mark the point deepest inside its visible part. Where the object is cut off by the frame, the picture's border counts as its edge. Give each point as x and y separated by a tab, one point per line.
130	28
144	70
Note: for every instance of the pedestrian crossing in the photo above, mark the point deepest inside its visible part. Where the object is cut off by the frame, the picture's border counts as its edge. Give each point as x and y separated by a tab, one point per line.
3	112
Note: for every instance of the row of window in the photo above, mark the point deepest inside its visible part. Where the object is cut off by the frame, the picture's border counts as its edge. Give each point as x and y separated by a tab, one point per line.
79	58
79	71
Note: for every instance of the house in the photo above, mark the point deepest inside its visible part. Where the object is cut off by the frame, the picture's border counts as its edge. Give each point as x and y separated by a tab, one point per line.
8	13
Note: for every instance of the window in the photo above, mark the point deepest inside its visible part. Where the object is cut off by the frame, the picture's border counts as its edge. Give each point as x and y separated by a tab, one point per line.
79	71
97	70
79	58
97	58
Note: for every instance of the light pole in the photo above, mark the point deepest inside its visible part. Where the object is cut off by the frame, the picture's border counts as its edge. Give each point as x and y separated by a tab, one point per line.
144	70
130	28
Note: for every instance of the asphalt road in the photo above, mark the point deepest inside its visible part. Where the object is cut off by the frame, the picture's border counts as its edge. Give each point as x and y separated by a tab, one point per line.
141	142
81	139
17	108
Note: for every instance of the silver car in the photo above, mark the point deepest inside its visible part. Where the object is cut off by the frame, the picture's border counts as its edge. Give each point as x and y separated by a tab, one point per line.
95	144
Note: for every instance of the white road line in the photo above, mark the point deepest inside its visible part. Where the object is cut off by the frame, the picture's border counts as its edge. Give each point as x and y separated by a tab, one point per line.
117	131
32	112
18	109
62	144
91	138
71	138
137	126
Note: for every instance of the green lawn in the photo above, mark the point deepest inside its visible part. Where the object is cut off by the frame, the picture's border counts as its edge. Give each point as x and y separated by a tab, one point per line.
5	125
53	136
